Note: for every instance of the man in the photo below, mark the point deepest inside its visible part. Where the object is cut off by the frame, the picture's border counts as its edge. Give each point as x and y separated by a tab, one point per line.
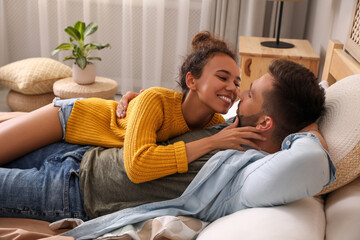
282	102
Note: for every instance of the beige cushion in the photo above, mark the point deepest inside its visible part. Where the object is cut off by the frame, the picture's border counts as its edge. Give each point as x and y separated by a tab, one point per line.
342	211
302	219
341	129
33	75
27	103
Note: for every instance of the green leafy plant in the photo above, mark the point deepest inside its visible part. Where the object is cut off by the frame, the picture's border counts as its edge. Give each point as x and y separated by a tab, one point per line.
80	49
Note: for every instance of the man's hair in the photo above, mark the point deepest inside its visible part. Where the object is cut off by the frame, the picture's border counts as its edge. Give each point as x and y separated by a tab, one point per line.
296	99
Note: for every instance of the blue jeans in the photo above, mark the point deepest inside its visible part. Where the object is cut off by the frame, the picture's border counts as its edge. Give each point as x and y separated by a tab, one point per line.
45	188
45	184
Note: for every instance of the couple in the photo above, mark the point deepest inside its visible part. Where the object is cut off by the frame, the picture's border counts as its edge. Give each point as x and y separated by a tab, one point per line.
88	182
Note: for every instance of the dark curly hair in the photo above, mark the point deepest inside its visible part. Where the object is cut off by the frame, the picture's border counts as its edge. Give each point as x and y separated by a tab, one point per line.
204	47
296	99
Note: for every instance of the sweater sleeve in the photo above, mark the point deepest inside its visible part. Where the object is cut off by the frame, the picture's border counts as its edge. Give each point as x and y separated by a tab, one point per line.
144	160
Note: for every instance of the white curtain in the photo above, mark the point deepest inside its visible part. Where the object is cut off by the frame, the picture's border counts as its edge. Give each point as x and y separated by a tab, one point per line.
233	18
148	38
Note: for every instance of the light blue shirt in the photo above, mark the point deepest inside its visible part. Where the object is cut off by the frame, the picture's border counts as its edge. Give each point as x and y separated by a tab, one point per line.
233	180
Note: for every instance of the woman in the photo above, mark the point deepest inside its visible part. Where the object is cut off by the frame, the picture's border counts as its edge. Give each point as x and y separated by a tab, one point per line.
209	78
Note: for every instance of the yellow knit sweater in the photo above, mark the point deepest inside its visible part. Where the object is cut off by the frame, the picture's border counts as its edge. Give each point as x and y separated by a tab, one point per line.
155	115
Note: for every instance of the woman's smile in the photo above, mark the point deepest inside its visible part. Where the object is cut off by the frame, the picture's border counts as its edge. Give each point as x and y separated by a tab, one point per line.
226	99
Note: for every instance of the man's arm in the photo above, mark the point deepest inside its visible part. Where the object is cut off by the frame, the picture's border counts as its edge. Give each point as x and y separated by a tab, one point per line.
314	129
300	170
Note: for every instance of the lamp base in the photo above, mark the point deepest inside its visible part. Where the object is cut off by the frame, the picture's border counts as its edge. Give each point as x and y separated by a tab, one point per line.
273	44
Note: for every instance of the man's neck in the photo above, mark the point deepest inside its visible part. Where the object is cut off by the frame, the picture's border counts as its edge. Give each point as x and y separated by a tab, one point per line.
269	145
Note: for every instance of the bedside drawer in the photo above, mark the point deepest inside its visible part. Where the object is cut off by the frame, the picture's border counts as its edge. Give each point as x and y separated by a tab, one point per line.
256	58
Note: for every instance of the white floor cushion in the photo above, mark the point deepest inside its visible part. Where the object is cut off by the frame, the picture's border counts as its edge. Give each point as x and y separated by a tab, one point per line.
303	219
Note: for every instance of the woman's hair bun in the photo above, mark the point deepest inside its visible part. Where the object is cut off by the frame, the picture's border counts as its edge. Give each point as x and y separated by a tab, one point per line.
206	40
205	46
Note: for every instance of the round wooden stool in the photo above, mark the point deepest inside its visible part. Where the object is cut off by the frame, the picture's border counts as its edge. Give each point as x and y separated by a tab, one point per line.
102	88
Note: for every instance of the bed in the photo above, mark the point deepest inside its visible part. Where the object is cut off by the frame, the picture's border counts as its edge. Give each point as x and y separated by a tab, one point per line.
334	213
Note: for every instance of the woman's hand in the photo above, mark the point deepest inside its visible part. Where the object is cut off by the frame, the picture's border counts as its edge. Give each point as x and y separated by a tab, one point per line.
232	137
229	138
123	103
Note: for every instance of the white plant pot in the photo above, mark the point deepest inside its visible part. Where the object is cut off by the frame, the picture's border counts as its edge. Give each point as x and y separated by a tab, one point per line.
84	76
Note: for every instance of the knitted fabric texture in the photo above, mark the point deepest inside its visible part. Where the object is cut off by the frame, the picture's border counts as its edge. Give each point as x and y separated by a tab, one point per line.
155	115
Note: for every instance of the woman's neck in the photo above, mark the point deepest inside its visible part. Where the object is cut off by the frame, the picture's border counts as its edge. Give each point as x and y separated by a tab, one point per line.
195	112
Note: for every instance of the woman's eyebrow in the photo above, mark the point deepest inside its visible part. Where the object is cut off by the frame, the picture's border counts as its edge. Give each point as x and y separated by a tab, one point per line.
224	71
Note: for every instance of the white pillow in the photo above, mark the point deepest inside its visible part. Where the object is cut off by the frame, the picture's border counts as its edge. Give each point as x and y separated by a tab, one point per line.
342	211
340	127
302	219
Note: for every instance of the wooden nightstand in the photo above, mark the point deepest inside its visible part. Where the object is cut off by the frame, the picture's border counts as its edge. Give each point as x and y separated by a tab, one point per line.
256	58
102	88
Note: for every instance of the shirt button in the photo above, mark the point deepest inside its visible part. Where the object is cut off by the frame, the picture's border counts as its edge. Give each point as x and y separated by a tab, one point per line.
288	143
309	134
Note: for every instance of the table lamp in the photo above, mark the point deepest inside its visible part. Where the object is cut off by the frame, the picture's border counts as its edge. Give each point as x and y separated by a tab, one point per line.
278	43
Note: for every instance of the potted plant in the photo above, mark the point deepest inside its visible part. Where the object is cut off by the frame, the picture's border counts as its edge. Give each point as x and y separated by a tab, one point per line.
83	69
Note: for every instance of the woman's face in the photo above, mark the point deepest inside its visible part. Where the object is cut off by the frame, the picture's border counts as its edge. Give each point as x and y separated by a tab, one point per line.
218	86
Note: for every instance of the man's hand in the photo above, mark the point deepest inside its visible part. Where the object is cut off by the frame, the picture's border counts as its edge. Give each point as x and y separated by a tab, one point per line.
123	103
314	129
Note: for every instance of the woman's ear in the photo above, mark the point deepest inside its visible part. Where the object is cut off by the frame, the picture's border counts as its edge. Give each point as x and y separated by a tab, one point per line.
190	81
265	123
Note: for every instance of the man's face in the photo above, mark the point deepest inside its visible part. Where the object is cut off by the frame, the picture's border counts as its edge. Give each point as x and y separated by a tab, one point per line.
251	101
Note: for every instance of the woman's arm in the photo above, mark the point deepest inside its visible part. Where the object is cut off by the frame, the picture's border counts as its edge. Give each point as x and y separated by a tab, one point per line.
145	160
231	137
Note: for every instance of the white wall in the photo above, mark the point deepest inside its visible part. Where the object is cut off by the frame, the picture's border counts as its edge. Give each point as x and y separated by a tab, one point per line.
328	19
